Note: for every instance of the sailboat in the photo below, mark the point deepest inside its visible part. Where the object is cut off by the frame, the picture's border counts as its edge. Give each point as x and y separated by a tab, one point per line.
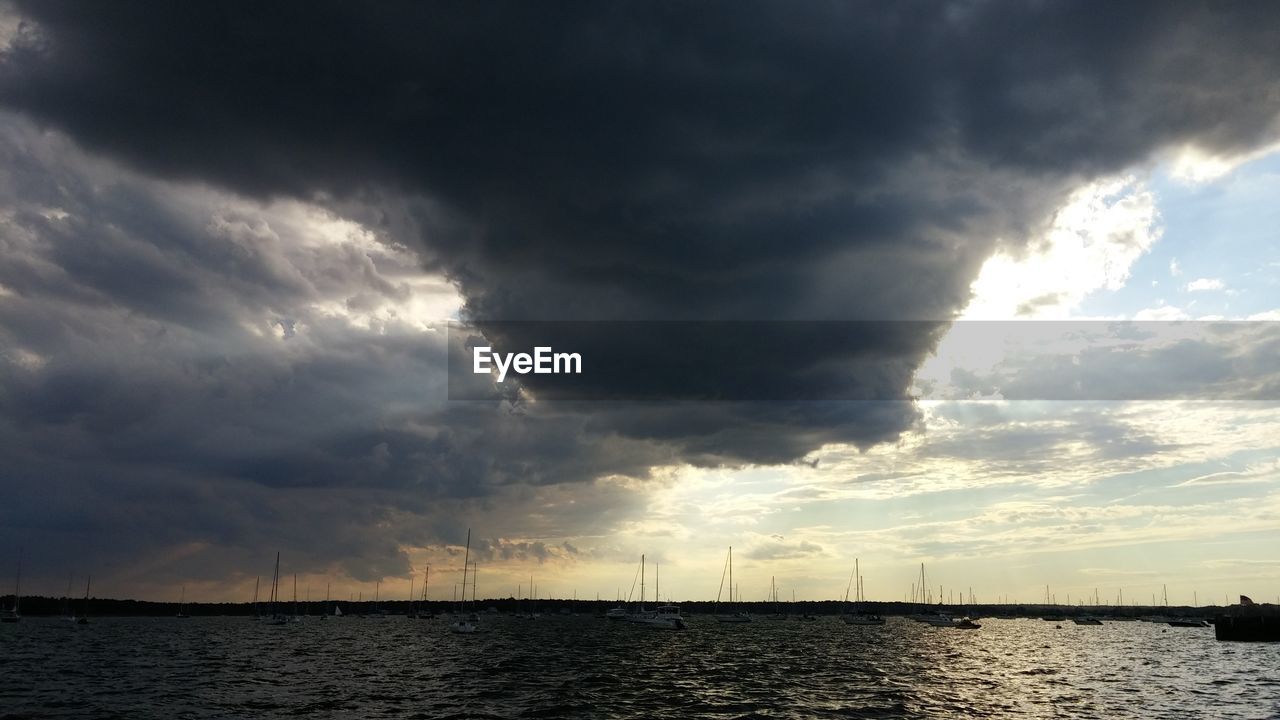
276	618
12	615
858	616
776	605
663	616
378	612
413	601
182	599
84	611
295	617
935	618
257	611
732	617
68	613
619	611
425	614
532	613
466	623
807	616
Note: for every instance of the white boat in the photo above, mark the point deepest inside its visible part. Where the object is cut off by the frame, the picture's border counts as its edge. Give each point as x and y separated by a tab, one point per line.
735	616
618	613
934	617
664	616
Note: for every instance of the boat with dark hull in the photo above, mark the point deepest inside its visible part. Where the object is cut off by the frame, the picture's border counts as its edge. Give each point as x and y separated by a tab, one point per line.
1261	627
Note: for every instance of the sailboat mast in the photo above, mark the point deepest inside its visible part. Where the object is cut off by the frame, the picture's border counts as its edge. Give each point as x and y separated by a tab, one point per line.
642	581
275	585
17	586
731	577
466	562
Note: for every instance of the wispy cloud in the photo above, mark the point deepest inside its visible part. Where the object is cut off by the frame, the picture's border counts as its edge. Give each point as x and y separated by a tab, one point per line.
1205	285
1259	473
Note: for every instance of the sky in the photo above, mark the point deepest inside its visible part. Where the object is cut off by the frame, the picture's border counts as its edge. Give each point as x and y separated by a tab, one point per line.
232	239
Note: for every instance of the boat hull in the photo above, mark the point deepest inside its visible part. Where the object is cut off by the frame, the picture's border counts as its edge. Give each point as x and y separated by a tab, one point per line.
1247	629
660	623
857	620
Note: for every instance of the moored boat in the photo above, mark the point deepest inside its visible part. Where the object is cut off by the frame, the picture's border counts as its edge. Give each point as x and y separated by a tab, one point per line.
664	616
734	616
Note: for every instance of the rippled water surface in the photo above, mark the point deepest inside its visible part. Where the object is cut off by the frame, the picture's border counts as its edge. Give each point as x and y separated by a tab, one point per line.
584	667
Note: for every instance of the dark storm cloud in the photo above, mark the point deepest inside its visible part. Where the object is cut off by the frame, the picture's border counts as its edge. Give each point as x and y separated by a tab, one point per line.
598	161
654	160
139	416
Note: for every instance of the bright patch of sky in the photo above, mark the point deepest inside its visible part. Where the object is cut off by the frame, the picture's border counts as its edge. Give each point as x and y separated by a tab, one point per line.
1218	255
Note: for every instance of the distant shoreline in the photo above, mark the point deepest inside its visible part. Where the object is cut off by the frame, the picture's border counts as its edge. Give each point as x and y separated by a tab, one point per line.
36	606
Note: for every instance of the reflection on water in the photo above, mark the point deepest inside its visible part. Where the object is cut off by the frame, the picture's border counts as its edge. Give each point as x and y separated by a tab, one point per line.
588	668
